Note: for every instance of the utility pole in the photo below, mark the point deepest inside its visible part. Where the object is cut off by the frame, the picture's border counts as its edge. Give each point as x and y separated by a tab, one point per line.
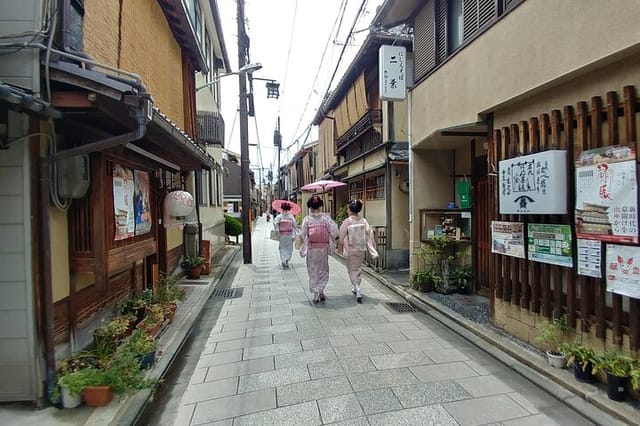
277	142
243	45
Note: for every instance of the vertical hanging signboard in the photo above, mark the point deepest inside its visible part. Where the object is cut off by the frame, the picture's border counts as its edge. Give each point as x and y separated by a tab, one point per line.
123	209
142	207
550	244
392	61
623	270
606	194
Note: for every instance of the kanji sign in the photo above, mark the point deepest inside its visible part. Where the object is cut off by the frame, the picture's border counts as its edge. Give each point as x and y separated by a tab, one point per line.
393	72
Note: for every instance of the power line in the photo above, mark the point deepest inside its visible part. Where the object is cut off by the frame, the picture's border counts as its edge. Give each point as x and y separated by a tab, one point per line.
286	69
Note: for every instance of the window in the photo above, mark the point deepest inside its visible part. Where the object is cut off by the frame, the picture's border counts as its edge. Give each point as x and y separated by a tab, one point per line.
204	188
375	188
218	190
207	54
197	25
454	25
356	190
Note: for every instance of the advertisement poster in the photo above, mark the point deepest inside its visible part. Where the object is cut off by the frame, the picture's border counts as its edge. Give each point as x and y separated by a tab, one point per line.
141	199
125	224
550	244
507	238
623	270
589	258
606	194
534	183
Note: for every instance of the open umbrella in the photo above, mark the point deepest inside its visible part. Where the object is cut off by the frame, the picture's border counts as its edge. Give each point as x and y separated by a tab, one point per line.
277	206
322	185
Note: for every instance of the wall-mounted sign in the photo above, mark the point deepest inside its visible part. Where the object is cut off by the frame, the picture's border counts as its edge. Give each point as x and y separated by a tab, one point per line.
534	184
589	258
123	203
507	238
606	194
393	72
623	270
142	204
550	244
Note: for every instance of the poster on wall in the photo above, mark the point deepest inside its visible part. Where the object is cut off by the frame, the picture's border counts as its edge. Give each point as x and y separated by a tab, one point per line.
623	270
534	184
550	244
606	194
142	205
589	258
124	216
507	238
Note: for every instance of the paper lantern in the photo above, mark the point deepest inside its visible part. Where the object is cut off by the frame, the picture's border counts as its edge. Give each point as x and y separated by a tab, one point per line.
178	204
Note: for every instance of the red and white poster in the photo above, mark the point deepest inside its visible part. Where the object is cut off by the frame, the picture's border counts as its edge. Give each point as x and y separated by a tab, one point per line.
623	270
606	194
123	209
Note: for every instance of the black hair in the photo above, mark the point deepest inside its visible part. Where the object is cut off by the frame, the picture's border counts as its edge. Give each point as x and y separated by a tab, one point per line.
355	206
315	202
285	206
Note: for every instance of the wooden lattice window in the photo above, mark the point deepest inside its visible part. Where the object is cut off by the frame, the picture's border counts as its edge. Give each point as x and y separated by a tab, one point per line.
375	188
356	190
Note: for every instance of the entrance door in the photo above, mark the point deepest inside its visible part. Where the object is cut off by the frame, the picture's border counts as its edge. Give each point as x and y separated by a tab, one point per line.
483	197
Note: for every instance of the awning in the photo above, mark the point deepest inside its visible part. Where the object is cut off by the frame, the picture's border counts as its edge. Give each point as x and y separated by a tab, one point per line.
454	137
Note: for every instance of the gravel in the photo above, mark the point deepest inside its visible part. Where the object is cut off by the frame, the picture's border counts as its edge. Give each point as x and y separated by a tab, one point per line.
472	307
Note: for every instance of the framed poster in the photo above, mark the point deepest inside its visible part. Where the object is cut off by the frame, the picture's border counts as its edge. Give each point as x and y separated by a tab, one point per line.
589	258
534	184
606	194
141	199
623	270
550	244
507	238
123	209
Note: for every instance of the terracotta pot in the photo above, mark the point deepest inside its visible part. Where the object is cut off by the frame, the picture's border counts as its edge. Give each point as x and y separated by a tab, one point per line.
171	312
152	329
195	271
97	396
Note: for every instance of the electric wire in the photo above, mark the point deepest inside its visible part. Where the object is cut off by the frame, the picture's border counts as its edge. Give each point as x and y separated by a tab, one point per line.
286	68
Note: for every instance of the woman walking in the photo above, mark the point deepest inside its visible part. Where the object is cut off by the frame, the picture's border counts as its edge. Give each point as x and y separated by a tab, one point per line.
319	233
356	238
285	225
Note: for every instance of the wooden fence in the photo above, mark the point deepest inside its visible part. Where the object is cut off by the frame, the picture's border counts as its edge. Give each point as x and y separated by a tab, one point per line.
551	290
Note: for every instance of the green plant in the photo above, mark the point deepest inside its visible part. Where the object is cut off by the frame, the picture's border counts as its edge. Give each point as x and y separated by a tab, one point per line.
194	261
232	226
461	277
153	314
341	215
551	333
436	258
75	381
425	280
578	353
167	290
115	328
123	374
618	364
140	343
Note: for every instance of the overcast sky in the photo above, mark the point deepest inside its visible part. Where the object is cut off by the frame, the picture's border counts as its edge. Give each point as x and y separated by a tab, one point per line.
288	37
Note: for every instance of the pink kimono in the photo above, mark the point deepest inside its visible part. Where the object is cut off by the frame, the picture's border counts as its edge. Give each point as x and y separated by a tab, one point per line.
318	257
355	257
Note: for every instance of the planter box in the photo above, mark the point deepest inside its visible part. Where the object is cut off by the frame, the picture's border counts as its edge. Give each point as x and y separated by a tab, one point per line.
97	396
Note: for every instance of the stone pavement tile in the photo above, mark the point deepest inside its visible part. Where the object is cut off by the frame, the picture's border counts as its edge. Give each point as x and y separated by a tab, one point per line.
282	313
272	329
349	329
378	401
534	420
297	336
339	408
304	308
524	402
381	379
241	368
484	386
273	378
447	355
232	319
364	349
210	390
302	414
415	345
233	406
381	328
198	375
305	357
320	370
185	414
219	358
360	421
437	372
418	334
293	318
401	318
272	302
234	311
355	365
360	319
246	324
389	336
428	415
229	345
430	393
404	359
315	343
269	350
309	325
489	409
482	371
312	390
229	335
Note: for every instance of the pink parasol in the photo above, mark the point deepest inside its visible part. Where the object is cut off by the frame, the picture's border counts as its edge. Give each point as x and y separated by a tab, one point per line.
322	185
277	206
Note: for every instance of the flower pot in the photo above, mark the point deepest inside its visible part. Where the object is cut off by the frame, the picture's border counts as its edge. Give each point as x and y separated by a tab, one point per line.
69	400
151	329
583	374
556	359
146	360
616	387
97	396
170	312
194	272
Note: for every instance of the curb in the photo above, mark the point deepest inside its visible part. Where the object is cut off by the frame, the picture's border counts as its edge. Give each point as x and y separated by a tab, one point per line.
134	405
583	398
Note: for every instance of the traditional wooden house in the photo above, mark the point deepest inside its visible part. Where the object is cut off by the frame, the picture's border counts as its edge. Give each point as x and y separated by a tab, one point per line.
98	122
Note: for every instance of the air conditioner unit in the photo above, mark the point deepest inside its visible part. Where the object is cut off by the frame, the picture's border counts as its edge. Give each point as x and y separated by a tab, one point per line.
73	177
404	186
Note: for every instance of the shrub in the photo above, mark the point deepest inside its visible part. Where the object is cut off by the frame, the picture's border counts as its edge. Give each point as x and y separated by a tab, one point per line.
232	226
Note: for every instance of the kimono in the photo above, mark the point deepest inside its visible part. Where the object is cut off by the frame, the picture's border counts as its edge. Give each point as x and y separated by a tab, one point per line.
355	258
318	257
285	239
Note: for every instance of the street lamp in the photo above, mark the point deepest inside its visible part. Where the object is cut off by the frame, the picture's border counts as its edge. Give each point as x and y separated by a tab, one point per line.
245	69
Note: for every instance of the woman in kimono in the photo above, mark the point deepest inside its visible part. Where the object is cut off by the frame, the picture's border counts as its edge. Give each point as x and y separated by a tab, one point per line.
356	238
319	233
285	226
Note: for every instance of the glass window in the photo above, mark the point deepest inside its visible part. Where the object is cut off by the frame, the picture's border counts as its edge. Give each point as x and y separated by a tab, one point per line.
356	191
375	188
454	25
204	188
207	54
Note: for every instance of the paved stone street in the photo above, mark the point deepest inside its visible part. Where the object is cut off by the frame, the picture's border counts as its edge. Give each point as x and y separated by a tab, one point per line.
273	357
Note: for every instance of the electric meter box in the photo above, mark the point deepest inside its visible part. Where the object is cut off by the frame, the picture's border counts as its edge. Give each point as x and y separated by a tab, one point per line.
73	176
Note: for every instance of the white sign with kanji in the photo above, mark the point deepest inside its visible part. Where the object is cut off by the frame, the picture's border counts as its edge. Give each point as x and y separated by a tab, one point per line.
393	72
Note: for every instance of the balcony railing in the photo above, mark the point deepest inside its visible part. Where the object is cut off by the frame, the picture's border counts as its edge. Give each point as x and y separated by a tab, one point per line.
371	118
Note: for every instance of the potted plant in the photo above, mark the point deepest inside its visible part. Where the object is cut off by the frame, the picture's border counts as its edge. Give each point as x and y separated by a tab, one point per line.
194	265
581	357
419	281
551	333
143	347
123	374
460	276
167	294
153	320
620	369
436	257
70	379
108	336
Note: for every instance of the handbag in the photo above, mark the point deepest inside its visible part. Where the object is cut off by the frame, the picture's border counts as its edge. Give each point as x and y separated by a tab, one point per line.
274	235
298	242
